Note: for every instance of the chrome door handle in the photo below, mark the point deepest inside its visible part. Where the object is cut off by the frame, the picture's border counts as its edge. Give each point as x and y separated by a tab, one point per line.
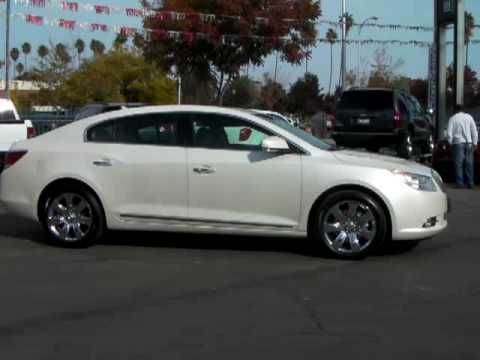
205	169
103	162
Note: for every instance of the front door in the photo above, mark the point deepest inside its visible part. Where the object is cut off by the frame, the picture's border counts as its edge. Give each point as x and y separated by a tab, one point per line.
232	182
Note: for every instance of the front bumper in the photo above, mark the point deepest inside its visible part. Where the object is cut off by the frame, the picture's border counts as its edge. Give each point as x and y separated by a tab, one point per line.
421	215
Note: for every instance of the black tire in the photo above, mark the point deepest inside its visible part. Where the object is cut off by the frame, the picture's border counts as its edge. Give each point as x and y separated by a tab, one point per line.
362	204
406	147
72	233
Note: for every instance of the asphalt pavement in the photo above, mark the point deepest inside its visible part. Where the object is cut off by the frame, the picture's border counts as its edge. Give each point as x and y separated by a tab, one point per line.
161	296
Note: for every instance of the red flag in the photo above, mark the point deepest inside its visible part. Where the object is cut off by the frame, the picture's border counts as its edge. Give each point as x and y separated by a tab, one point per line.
102	9
67	24
35	20
128	31
100	27
38	3
71	6
134	12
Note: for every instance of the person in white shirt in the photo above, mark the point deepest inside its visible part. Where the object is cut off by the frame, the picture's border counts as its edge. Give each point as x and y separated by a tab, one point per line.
463	136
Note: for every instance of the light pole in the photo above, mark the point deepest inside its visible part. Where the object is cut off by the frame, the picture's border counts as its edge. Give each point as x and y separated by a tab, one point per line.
364	22
344	45
7	51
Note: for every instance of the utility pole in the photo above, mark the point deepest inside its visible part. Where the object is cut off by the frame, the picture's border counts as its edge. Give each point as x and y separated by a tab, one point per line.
459	58
7	51
344	45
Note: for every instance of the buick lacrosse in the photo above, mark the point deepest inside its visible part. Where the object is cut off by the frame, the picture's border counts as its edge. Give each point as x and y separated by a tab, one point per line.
217	170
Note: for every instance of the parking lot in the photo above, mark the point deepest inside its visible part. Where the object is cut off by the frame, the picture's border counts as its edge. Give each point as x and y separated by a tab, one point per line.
161	296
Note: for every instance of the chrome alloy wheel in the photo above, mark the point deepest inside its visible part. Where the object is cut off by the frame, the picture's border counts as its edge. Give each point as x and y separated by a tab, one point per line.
349	227
69	217
409	145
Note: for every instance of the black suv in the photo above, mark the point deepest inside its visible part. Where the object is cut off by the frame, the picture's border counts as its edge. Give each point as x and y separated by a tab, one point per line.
100	108
375	118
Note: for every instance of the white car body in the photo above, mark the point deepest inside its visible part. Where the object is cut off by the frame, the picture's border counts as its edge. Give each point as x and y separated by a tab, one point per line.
170	188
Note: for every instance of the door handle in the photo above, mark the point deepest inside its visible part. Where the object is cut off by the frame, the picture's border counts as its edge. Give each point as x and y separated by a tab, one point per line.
205	169
103	162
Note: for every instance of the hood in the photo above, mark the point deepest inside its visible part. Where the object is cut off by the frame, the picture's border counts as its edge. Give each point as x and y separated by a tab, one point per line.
371	160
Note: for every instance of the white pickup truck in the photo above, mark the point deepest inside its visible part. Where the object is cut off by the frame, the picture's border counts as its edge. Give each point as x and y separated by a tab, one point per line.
12	128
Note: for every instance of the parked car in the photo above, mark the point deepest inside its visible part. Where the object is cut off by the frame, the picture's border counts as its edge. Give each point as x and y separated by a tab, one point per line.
100	108
375	118
442	159
12	128
175	168
272	115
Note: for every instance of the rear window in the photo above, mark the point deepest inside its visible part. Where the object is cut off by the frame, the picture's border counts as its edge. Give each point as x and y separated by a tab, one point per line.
7	116
366	100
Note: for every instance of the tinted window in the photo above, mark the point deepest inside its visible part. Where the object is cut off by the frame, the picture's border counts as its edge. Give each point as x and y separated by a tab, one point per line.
152	129
367	100
222	132
7	116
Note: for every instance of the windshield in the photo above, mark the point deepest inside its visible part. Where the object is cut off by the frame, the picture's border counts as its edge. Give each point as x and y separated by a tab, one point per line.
305	136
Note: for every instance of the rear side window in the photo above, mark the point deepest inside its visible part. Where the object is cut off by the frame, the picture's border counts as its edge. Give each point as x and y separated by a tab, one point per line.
367	101
151	129
7	116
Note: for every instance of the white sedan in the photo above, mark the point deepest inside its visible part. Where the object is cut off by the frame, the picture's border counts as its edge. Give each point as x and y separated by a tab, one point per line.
215	170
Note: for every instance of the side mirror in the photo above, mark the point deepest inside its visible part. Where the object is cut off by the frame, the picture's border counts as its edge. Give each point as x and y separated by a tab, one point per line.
274	144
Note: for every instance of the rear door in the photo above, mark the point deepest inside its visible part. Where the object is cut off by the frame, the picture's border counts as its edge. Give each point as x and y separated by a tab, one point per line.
12	129
140	164
365	111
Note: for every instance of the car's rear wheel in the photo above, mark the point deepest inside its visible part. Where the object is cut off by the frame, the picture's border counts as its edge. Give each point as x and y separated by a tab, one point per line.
72	216
349	224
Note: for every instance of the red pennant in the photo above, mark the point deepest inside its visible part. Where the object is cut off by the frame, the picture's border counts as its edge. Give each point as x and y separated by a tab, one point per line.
102	9
67	24
71	6
36	20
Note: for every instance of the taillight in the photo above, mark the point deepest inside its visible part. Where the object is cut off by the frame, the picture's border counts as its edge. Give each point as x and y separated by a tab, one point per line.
13	156
397	119
30	132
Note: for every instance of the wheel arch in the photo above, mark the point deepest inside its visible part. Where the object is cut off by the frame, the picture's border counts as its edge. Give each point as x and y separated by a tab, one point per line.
347	187
63	182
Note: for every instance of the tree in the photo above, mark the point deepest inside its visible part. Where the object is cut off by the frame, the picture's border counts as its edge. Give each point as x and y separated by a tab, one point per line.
241	93
384	69
120	40
14	54
304	96
469	31
26	49
419	89
97	47
272	95
19	68
332	39
80	47
125	77
247	32
63	54
138	41
471	84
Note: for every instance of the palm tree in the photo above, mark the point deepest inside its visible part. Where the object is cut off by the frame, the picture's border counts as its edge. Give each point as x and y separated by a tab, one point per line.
120	40
97	47
19	68
14	54
26	49
42	52
62	52
469	31
138	41
80	46
332	39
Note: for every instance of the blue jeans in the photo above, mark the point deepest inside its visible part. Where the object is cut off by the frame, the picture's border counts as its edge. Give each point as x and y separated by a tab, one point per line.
463	160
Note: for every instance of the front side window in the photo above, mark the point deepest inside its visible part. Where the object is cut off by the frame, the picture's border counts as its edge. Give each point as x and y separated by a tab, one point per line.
223	132
151	129
7	116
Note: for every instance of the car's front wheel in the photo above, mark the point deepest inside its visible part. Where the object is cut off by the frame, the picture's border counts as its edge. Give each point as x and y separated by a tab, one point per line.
349	224
72	216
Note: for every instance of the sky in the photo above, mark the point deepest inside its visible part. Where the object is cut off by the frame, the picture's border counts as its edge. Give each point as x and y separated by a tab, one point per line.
405	12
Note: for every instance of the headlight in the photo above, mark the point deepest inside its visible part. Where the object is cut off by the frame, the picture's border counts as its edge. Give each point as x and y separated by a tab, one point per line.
415	181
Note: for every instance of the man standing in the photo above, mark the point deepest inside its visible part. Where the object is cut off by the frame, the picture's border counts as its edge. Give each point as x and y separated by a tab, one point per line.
463	136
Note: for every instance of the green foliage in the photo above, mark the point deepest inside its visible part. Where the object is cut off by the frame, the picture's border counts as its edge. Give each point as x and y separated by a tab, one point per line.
304	96
14	54
97	47
42	51
116	76
241	93
273	96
